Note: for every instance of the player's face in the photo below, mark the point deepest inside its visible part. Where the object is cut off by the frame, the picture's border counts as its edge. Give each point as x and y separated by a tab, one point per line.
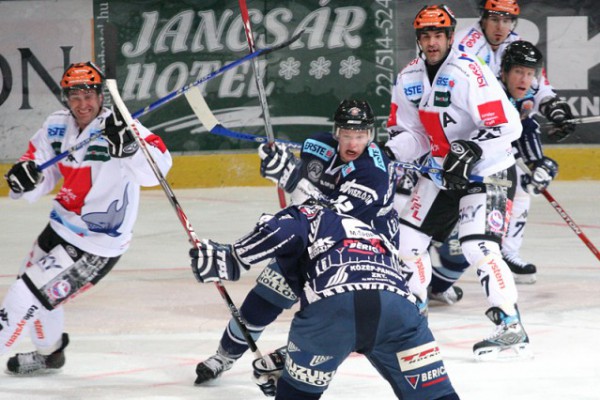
435	45
85	105
518	80
497	28
352	143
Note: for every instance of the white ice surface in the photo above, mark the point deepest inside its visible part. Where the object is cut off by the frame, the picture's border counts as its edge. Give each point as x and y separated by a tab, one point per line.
141	331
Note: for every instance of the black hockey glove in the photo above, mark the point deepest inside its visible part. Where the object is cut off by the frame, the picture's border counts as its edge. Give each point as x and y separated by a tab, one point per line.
121	142
557	112
24	176
459	163
215	261
279	164
268	369
543	172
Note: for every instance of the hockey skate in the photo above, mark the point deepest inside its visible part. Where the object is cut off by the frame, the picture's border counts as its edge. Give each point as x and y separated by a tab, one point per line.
452	295
522	271
213	367
508	341
34	363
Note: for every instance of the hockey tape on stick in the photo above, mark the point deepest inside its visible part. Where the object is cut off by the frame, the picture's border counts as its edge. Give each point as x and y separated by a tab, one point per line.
212	124
262	95
185	222
563	214
70	150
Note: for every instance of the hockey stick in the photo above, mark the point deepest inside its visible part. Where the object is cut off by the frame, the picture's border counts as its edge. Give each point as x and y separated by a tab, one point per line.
111	84
582	120
170	96
212	124
262	96
563	214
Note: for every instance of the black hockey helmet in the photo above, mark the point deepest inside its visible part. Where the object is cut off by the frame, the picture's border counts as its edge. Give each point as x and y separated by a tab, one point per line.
354	115
522	53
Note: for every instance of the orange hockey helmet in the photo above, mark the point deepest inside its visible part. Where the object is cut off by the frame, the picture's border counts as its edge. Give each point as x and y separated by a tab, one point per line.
505	8
432	18
82	76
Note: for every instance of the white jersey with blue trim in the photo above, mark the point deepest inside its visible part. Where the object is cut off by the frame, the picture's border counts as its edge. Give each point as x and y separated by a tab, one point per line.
472	40
463	102
96	207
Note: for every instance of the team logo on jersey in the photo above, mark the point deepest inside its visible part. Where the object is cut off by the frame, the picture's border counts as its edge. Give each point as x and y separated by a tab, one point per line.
314	170
318	149
441	99
59	290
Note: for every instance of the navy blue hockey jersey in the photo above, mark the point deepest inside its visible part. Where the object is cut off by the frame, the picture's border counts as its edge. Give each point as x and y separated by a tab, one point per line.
324	253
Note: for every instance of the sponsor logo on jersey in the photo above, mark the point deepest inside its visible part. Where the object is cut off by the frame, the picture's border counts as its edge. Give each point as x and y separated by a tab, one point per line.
441	99
469	41
427	378
492	113
375	153
292	347
20	325
320	246
307	375
445	80
467	213
476	69
348	169
57	131
420	356
414	89
361	192
318	149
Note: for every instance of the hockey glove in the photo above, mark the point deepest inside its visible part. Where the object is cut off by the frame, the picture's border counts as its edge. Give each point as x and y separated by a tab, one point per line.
558	111
24	176
215	261
459	163
268	369
280	165
544	171
121	142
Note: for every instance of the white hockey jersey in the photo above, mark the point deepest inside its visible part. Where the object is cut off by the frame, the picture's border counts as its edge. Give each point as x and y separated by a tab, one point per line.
464	101
472	40
97	205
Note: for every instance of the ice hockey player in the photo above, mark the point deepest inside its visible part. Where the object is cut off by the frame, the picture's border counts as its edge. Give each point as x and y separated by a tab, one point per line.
488	39
354	300
460	115
347	169
91	220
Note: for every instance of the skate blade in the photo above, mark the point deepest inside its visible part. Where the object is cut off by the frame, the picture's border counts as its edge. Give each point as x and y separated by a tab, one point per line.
525	279
521	351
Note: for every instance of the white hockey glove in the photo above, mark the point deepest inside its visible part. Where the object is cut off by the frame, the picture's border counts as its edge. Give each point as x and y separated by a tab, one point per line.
279	164
121	142
459	163
215	261
544	171
24	176
558	111
268	369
